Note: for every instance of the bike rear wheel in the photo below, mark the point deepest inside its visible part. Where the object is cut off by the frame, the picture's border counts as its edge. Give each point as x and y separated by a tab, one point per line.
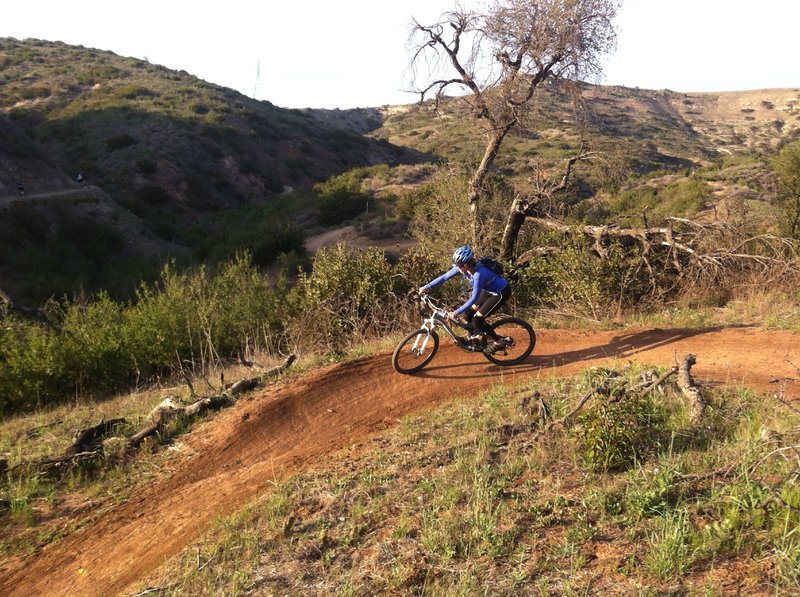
520	336
415	351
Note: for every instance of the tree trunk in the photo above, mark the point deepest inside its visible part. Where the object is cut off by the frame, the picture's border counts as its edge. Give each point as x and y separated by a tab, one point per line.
514	221
475	188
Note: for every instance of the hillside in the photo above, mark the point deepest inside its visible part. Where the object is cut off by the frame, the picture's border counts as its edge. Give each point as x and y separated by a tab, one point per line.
656	129
197	172
163	145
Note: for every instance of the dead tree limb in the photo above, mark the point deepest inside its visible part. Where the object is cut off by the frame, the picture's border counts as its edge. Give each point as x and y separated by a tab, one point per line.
246	385
169	412
648	385
87	444
88	440
53	466
690	389
506	432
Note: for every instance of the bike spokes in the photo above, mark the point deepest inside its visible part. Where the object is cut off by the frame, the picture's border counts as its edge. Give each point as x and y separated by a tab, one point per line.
415	351
518	340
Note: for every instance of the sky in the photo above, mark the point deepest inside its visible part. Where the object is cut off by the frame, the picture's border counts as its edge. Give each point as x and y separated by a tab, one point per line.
354	53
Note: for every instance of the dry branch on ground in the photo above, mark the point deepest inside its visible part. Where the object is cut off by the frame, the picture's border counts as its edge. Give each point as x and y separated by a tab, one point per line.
88	445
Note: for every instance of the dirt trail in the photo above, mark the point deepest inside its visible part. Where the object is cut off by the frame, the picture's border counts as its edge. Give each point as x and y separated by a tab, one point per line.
233	458
84	194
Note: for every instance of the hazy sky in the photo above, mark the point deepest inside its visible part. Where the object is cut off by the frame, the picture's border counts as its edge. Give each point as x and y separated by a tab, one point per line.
352	53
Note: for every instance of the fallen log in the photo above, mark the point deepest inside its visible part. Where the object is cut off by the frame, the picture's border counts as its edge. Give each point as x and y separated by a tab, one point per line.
88	440
163	414
88	443
245	385
56	465
167	414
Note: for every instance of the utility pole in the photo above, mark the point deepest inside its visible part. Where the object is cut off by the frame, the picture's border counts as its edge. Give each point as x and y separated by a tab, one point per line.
257	88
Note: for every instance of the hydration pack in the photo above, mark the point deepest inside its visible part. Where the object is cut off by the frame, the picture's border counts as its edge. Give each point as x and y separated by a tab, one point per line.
491	264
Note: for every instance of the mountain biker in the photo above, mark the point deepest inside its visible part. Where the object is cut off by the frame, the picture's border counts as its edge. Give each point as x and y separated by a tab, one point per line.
489	292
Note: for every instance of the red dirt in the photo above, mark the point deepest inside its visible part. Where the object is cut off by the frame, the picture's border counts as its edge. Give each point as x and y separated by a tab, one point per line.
233	458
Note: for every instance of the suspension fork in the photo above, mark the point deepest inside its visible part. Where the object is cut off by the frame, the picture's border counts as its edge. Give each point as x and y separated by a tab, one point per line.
420	342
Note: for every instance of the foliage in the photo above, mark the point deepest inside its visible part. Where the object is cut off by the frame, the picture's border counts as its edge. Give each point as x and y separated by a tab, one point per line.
99	345
683	198
621	429
573	279
787	166
276	239
44	251
346	293
343	197
439	206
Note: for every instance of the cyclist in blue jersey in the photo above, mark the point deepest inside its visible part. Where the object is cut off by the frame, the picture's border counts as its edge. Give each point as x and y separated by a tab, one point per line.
489	292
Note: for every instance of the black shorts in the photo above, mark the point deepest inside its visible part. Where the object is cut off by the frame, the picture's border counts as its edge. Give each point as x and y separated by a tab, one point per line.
489	302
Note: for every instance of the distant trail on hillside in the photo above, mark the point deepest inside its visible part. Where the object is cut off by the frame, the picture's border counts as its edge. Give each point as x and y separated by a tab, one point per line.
235	457
87	194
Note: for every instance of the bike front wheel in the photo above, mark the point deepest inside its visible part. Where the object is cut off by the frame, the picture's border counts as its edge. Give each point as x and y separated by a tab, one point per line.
520	339
415	351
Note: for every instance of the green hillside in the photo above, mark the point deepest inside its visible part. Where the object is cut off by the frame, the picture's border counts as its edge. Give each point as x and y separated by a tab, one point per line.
189	170
163	145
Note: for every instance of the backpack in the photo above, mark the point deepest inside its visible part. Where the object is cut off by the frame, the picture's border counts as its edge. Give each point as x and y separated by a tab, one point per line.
491	264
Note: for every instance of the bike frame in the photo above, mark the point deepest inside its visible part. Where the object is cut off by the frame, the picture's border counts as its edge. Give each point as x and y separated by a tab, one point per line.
421	345
438	316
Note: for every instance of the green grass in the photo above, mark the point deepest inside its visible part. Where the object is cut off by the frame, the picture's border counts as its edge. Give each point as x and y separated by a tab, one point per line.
440	506
448	502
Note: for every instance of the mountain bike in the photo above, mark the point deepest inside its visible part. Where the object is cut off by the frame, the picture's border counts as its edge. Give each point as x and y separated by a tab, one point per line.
417	349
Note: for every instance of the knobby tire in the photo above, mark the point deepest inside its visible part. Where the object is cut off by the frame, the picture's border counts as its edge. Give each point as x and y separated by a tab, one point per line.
405	361
524	341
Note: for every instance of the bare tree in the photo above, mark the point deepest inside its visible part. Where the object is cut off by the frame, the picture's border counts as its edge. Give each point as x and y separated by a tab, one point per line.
538	201
496	58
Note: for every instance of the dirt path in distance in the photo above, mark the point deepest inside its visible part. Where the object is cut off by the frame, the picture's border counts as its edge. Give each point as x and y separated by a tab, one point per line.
234	458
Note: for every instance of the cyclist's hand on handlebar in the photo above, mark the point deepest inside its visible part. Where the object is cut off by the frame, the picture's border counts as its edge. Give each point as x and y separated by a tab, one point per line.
452	316
423	290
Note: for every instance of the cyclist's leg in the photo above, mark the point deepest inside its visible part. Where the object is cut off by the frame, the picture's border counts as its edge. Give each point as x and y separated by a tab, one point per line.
492	303
470	313
487	303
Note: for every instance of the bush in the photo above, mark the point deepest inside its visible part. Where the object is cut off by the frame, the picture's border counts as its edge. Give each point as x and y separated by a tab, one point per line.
120	141
786	165
345	196
99	345
347	293
146	166
32	93
440	206
93	240
152	194
576	281
275	239
622	428
685	198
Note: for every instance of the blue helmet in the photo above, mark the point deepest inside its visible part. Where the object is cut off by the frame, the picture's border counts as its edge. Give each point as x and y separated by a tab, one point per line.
462	255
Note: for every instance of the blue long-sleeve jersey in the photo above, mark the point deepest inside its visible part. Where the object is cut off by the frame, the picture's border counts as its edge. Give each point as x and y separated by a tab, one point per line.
482	279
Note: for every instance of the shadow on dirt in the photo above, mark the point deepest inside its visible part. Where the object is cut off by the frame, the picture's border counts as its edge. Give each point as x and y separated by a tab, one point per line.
627	345
620	347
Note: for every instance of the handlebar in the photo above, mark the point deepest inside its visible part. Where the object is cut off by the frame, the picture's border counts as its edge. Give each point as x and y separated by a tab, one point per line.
439	312
428	303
